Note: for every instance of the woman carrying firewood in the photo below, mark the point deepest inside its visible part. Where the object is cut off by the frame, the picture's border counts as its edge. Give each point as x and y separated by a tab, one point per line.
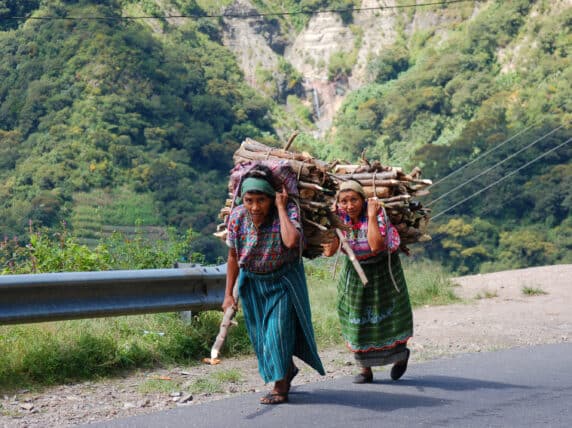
375	318
264	238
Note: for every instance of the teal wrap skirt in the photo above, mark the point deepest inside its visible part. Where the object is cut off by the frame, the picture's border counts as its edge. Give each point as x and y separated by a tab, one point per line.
278	319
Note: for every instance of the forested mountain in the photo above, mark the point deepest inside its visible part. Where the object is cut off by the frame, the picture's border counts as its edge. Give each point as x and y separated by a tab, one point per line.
111	118
146	118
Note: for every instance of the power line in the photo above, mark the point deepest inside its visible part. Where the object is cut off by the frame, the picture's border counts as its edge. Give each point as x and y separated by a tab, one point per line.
502	179
497	146
485	153
497	164
235	15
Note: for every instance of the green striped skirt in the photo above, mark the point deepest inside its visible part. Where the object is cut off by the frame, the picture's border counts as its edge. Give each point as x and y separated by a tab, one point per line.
376	320
276	309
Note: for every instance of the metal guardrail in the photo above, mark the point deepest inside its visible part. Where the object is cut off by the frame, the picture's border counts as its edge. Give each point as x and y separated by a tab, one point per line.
75	295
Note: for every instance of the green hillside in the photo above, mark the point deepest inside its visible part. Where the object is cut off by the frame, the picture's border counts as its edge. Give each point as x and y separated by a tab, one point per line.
491	93
114	123
91	105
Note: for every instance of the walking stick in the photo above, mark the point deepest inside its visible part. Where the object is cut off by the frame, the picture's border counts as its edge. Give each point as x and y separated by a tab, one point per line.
227	321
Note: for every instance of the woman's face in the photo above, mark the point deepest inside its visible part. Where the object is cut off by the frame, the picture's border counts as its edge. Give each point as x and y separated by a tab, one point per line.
258	205
352	203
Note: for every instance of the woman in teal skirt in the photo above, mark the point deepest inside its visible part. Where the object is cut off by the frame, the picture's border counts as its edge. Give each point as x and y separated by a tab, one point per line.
376	319
264	259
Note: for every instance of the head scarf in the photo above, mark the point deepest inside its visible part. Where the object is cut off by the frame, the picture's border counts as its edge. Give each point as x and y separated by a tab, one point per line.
257	184
352	185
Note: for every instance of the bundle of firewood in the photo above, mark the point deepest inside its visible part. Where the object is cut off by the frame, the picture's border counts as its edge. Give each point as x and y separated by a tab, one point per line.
316	191
318	182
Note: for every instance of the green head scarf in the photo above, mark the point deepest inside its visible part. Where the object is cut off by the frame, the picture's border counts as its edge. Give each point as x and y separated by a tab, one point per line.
257	184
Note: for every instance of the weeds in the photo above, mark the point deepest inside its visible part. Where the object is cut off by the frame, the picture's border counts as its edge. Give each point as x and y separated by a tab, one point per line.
153	385
429	284
488	294
230	375
533	291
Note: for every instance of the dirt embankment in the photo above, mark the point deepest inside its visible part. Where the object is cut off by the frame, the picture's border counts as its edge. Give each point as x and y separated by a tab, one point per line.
499	310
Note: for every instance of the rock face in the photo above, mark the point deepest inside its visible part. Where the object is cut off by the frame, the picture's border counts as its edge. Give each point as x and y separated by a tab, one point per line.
251	40
260	44
265	47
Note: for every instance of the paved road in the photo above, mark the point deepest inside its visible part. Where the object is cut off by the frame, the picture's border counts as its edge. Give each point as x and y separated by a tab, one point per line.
527	387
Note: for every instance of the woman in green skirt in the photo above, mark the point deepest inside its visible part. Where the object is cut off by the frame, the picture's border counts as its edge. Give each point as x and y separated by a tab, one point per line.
376	319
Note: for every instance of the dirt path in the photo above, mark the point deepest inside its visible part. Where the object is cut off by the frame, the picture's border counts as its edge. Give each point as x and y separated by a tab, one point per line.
496	313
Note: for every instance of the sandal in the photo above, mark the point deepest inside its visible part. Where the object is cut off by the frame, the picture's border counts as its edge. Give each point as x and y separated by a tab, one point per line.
274	398
400	367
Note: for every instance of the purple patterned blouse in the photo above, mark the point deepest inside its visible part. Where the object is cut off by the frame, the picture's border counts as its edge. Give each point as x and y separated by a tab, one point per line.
261	250
357	235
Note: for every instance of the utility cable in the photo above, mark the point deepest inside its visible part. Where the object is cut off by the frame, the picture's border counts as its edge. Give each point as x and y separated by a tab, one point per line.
482	155
495	165
502	179
485	153
238	15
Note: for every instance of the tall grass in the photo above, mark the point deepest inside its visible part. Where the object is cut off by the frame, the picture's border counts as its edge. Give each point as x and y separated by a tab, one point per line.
428	283
36	355
322	288
54	353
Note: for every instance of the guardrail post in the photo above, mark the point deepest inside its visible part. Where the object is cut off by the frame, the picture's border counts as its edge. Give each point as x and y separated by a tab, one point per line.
186	316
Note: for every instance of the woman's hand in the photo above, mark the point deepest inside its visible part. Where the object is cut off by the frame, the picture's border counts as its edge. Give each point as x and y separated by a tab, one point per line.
282	198
373	206
374	239
232	270
288	232
330	248
229	302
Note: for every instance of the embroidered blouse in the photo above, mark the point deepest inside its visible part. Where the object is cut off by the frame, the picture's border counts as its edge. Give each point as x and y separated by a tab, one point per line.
357	235
261	250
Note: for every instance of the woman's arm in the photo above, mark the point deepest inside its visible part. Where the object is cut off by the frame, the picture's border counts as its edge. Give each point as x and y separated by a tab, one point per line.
288	232
374	239
231	275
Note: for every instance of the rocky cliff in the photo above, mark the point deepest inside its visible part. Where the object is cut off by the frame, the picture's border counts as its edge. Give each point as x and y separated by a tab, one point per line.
259	45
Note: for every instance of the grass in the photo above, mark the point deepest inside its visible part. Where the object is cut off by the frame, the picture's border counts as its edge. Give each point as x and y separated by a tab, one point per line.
428	284
165	386
38	355
533	291
230	375
213	383
487	294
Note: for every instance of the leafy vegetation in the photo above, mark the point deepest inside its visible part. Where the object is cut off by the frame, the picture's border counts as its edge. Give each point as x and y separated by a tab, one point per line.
130	125
441	100
93	105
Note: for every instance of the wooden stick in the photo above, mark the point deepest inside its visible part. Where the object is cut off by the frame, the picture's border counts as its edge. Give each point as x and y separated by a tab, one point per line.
351	255
396	198
291	140
224	325
386	175
318	225
305	168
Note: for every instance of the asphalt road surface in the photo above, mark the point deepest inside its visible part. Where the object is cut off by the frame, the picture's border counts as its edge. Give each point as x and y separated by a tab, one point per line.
525	387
